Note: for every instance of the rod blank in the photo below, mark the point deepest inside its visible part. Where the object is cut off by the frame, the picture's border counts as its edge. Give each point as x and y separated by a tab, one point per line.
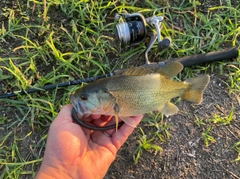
53	86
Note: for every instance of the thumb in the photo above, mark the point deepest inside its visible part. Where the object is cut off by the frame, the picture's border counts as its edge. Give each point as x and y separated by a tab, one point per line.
119	137
64	115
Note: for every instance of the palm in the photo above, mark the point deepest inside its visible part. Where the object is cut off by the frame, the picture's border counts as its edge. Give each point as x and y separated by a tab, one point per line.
89	152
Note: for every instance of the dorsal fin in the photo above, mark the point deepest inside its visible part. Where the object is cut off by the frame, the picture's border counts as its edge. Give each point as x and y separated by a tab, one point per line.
171	69
137	71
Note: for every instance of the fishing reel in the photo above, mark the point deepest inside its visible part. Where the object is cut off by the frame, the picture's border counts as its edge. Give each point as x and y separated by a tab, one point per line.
135	29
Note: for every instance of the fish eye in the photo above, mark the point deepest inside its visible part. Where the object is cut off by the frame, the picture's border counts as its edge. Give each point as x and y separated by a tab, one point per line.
84	97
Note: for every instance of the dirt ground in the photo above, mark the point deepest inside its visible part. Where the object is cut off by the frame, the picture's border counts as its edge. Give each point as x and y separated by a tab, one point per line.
185	155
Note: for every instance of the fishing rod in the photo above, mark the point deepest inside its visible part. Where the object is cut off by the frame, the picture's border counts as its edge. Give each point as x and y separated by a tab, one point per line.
229	53
133	30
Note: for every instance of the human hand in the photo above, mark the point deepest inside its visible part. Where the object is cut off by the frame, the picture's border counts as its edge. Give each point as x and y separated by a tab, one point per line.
76	152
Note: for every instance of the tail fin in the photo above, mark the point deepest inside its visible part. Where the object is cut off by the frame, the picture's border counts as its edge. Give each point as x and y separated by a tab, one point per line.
196	88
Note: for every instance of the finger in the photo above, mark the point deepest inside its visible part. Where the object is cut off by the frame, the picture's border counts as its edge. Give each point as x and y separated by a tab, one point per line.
119	137
64	122
99	138
64	115
104	121
111	122
95	134
90	117
101	121
87	132
95	116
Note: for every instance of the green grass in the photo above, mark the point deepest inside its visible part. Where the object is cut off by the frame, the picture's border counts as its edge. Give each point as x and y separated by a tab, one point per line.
236	147
144	144
147	140
45	42
207	137
160	126
216	119
199	122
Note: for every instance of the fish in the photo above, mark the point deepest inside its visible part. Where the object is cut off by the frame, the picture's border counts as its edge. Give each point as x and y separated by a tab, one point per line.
137	91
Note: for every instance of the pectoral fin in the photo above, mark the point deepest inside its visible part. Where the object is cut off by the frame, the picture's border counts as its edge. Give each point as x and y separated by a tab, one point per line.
116	117
116	111
168	109
129	121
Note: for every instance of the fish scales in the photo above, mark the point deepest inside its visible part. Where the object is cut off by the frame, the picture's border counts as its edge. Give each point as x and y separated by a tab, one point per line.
138	91
140	94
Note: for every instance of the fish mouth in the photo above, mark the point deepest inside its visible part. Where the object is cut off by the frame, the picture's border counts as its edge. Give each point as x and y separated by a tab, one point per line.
80	108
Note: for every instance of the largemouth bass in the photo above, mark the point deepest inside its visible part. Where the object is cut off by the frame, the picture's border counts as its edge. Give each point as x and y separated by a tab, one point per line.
138	91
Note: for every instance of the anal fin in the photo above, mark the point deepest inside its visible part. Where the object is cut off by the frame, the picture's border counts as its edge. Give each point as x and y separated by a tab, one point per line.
168	109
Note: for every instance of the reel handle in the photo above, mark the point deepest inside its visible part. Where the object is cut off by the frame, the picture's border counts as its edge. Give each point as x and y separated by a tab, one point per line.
165	43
